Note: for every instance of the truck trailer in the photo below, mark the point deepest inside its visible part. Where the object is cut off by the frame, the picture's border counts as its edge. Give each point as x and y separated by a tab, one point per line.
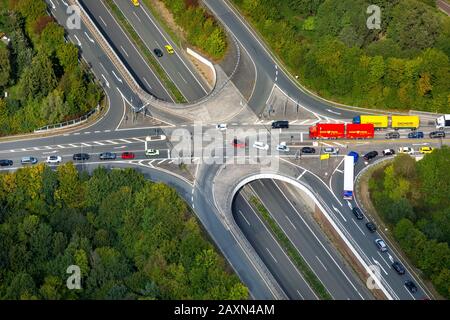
405	122
340	130
379	122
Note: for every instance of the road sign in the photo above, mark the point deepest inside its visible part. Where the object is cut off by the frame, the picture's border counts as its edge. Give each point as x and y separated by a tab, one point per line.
324	156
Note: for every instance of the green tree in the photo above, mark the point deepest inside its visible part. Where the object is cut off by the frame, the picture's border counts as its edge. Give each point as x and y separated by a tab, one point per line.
5	67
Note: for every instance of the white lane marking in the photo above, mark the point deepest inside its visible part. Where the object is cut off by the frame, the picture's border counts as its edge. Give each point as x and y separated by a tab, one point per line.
53	5
107	131
301	136
78	40
112	142
87	132
76	133
339	144
65	3
358	227
121	147
337	210
379	264
291	222
271	255
89	38
126	53
349	205
389	266
103	21
137	139
106	81
137	17
409	292
85	144
148	84
182	77
340	171
300	295
99	143
331	111
244	217
322	263
125	140
60	146
73	145
117	77
301	175
161	161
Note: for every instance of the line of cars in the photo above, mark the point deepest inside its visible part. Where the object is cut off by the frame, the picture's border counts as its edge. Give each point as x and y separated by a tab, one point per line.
382	247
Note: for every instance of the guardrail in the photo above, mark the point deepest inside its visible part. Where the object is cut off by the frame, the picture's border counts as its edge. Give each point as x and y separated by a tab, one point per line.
70	123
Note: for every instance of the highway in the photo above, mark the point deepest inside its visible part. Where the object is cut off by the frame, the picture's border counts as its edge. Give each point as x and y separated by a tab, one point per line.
105	135
323	259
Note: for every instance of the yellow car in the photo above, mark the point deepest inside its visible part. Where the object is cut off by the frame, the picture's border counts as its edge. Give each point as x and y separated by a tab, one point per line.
169	48
426	150
135	3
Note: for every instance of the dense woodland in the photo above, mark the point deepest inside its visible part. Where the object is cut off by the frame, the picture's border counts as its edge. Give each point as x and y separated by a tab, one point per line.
413	197
132	239
201	29
404	65
39	71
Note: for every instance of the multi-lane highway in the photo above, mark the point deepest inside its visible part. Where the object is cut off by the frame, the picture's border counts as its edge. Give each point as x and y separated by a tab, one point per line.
106	135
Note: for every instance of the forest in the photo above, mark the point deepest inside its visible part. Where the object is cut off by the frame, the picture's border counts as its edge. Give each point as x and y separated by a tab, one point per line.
413	198
131	238
41	79
404	65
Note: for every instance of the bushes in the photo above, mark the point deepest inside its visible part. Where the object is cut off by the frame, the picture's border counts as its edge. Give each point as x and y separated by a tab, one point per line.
40	71
413	197
131	238
403	66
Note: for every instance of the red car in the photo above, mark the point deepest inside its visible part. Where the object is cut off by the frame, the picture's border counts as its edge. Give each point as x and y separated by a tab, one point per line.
238	144
127	155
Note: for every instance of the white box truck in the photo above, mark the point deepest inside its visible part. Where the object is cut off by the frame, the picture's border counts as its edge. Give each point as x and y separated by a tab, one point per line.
443	122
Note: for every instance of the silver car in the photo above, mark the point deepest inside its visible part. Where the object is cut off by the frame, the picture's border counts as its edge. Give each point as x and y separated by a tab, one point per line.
381	245
330	150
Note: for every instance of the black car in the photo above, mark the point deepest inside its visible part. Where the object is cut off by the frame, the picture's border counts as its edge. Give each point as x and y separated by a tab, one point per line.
398	267
281	124
411	286
80	156
415	135
437	134
107	156
392	135
371	226
158	52
370	155
308	150
6	163
358	213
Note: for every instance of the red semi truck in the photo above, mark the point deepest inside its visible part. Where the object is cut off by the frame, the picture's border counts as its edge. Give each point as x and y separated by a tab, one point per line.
340	130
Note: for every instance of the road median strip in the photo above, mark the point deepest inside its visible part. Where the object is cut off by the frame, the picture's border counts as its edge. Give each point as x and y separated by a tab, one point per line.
283	240
128	28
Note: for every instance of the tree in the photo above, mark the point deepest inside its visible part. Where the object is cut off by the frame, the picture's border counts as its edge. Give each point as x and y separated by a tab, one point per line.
39	79
5	67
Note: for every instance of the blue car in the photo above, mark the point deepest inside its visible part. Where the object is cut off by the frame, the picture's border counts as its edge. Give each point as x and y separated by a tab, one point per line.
415	135
355	155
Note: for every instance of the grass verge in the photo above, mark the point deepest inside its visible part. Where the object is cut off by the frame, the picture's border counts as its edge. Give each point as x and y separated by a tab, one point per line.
122	20
310	277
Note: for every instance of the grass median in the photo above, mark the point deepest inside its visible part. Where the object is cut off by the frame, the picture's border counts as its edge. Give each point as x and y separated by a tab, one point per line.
292	252
122	20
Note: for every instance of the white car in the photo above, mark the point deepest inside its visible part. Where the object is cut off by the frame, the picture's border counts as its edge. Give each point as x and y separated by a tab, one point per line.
407	150
388	152
330	150
261	145
283	147
222	126
54	160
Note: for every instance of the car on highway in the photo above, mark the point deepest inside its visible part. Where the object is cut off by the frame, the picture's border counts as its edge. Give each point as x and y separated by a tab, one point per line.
371	226
28	160
135	3
6	163
127	155
237	143
80	156
330	150
415	135
370	155
308	150
151	152
222	126
388	152
411	286
158	52
381	245
169	49
392	135
283	147
358	213
437	134
260	145
355	156
107	156
407	150
398	267
424	150
53	159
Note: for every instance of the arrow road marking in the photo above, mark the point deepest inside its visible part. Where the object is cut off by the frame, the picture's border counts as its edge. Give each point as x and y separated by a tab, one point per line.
115	75
391	258
106	81
89	38
331	111
379	264
337	210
